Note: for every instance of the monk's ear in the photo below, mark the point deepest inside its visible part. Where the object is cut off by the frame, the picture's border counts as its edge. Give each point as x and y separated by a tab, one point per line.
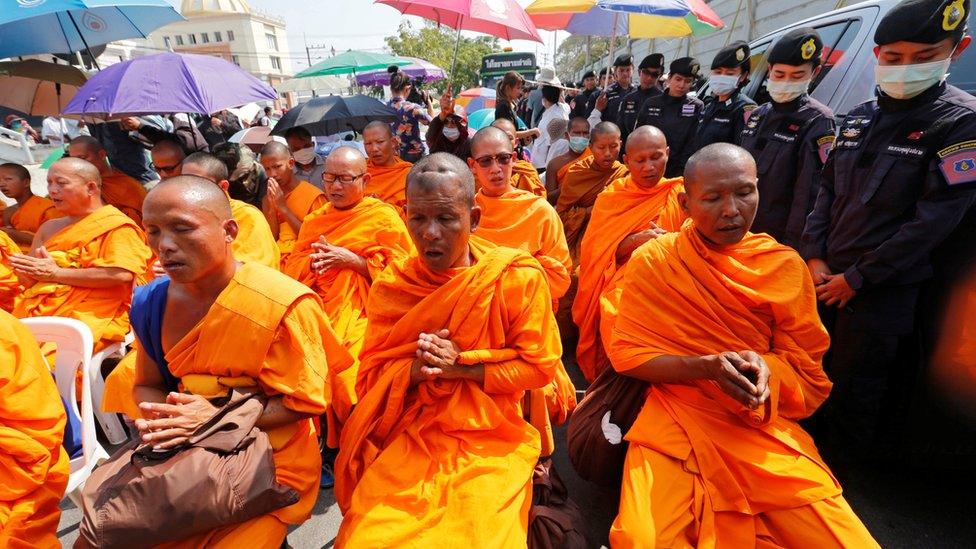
230	230
224	184
366	179
475	217
471	164
92	188
683	202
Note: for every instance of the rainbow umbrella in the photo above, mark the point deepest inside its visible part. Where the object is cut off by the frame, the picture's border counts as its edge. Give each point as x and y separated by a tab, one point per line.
635	18
475	99
484	117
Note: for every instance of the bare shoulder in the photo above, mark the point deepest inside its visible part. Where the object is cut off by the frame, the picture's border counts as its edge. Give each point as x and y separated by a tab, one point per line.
49	228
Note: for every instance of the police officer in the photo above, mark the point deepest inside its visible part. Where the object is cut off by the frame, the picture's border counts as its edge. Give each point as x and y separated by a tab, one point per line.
675	113
789	137
607	104
590	90
895	186
724	116
650	70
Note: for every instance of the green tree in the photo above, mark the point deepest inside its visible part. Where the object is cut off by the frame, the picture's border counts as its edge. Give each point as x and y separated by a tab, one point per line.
436	44
571	56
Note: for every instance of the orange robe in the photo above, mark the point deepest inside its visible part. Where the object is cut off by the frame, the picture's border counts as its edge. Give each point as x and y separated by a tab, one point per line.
125	193
443	461
33	465
519	219
29	216
622	209
288	350
701	469
302	200
9	283
389	183
374	231
255	242
526	178
103	238
578	190
565	169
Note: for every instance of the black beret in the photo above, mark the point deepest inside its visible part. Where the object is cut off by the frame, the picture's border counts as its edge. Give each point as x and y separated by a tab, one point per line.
604	71
589	74
685	66
652	61
734	55
624	60
923	21
797	47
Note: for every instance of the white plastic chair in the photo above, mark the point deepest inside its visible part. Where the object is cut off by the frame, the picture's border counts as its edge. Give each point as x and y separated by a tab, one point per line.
74	348
110	423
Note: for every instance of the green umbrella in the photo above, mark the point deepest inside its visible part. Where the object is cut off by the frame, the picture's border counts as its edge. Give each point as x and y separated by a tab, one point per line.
351	62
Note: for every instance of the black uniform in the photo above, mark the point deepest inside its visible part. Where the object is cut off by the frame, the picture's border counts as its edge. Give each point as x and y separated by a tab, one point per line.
895	186
722	121
583	104
790	142
629	109
615	94
677	118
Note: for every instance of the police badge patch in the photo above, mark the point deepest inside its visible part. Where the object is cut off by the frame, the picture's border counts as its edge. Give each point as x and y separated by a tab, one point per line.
824	146
958	163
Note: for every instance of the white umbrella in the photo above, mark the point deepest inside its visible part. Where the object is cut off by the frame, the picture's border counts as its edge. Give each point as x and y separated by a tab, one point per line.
329	83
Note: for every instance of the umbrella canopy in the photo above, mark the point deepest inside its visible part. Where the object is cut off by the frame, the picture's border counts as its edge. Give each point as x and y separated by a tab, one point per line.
655	18
66	26
37	87
352	61
254	137
474	99
165	83
335	113
328	83
484	117
502	18
418	68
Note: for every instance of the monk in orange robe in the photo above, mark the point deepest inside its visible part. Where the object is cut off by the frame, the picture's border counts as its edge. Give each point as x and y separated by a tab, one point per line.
84	264
342	247
519	219
22	220
118	189
33	465
288	200
722	324
10	287
437	449
387	171
524	175
226	325
578	135
628	213
585	180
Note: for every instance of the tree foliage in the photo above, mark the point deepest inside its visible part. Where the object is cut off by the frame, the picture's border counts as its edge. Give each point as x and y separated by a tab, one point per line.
571	55
436	44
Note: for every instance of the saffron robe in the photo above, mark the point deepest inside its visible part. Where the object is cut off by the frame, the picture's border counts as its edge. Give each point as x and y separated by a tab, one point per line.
9	283
29	216
125	193
302	200
255	242
526	178
389	183
578	190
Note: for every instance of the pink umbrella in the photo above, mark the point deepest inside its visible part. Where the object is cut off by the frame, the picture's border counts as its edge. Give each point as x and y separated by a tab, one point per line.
502	18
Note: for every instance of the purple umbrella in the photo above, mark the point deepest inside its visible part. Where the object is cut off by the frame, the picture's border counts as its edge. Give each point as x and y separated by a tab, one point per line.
165	83
417	69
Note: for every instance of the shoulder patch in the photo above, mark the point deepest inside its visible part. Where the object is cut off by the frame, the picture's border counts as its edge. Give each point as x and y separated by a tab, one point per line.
824	145
958	163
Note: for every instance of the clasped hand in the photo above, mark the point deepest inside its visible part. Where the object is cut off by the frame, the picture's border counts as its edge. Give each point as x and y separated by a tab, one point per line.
40	266
742	375
436	358
328	256
170	424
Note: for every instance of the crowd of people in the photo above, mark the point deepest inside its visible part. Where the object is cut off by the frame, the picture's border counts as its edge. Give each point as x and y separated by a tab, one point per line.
756	289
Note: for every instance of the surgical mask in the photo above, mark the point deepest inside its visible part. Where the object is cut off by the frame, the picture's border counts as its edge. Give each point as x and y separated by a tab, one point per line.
304	156
784	91
907	81
451	133
578	144
723	84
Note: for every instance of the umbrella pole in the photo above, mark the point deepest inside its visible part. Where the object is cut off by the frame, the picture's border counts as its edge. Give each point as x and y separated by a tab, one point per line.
613	38
457	43
83	41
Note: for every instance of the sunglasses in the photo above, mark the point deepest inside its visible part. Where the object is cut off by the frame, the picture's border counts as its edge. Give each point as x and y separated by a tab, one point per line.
502	159
652	74
344	179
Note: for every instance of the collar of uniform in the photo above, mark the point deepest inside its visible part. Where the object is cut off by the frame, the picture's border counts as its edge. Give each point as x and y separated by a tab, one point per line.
790	106
668	98
890	104
732	98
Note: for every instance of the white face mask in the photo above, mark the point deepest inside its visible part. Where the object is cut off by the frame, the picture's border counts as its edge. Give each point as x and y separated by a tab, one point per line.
304	156
907	81
784	91
722	84
451	133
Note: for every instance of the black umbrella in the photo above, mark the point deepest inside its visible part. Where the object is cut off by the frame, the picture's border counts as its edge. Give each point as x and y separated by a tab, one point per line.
334	113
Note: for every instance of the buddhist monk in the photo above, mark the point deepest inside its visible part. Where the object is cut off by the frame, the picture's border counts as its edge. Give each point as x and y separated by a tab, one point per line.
437	449
214	324
167	158
34	466
21	220
118	189
85	263
578	136
10	286
631	211
288	200
519	219
524	175
387	171
585	179
722	325
342	247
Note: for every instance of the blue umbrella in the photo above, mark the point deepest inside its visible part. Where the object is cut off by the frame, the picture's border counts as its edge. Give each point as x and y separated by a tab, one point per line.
66	26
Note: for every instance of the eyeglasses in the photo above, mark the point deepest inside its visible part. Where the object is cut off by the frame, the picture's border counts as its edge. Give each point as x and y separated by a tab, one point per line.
502	159
158	169
344	179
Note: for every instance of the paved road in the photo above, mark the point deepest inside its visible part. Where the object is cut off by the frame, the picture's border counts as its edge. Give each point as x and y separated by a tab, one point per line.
902	507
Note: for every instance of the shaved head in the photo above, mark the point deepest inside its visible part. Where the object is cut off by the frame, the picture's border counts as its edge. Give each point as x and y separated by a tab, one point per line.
209	167
579	124
645	136
275	148
350	155
489	134
349	163
646	156
88	142
433	171
380	143
721	196
78	168
378	125
604	129
170	147
167	158
505	125
89	149
605	145
716	158
194	191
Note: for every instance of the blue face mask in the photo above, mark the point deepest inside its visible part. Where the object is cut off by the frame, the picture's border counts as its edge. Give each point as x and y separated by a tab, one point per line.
578	144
